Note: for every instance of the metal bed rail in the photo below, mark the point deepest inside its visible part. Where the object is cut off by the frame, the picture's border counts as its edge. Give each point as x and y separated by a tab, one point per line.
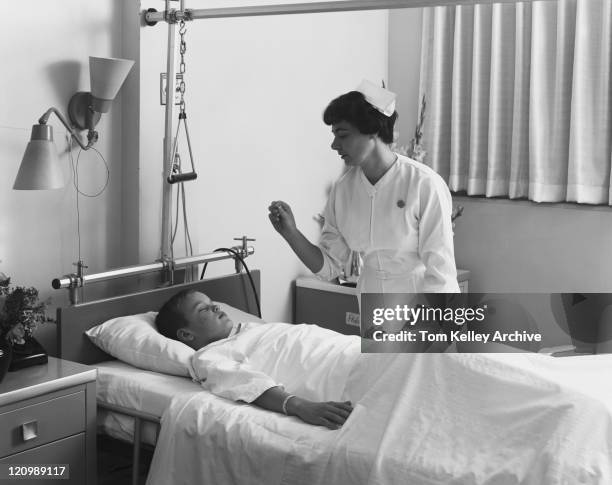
77	280
139	418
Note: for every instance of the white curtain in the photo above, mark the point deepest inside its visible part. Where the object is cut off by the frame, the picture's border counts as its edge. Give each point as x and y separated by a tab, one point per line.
518	99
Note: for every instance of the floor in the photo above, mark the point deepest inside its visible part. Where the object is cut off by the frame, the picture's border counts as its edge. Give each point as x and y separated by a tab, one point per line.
115	462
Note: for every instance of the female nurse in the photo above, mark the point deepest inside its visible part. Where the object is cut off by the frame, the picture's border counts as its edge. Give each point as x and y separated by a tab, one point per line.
395	212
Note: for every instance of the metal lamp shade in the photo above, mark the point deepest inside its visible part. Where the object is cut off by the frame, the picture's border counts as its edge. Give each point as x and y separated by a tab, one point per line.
106	77
40	167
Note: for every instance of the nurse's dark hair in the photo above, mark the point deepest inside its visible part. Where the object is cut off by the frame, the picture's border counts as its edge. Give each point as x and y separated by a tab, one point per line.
353	108
171	317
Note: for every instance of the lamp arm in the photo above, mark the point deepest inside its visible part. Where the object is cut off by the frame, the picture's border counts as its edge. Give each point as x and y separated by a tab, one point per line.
92	135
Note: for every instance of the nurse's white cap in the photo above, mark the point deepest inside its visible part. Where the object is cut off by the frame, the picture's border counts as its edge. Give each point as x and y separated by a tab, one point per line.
382	99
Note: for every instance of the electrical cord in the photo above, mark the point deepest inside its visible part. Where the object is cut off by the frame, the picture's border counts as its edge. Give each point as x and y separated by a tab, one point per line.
75	182
188	244
203	271
248	273
181	202
76	172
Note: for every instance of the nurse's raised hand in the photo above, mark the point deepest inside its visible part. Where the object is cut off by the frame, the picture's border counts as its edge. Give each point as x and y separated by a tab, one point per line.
281	217
283	221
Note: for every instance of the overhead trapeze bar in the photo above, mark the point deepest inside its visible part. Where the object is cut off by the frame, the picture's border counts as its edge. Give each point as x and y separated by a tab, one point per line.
152	17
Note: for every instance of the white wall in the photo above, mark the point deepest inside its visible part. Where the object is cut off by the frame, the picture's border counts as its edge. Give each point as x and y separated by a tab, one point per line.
404	68
521	246
256	90
45	60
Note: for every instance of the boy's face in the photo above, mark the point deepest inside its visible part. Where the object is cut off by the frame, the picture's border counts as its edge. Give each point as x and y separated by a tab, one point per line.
207	323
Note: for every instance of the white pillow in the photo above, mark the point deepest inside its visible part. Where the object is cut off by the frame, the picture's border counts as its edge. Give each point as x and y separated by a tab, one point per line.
134	339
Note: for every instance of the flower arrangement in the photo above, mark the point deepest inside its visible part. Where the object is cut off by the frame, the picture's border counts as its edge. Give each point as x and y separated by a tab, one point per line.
457	212
20	311
415	150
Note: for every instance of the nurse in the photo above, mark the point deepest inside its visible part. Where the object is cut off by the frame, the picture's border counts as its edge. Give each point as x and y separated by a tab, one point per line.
394	211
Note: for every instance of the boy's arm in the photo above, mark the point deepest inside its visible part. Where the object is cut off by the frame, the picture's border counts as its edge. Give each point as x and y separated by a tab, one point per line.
329	414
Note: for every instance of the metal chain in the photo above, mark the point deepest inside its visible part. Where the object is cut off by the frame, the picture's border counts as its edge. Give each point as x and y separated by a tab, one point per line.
182	68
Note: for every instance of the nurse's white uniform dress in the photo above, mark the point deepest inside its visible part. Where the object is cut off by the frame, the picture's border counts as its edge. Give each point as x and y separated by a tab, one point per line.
401	227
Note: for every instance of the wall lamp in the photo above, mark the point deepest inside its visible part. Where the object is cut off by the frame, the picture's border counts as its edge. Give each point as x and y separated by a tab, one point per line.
40	167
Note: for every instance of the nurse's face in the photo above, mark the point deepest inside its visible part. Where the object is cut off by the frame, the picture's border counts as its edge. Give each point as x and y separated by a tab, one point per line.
353	146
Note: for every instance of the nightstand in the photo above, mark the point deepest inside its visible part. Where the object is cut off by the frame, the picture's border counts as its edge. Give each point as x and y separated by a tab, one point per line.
463	278
334	306
48	417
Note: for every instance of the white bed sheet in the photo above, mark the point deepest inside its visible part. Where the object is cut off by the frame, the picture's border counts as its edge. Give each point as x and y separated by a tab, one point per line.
427	419
133	388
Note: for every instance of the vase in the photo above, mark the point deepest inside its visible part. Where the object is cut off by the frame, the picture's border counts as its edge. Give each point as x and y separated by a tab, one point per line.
5	357
27	354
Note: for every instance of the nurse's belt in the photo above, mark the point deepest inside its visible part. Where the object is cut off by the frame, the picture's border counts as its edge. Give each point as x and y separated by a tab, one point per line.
382	99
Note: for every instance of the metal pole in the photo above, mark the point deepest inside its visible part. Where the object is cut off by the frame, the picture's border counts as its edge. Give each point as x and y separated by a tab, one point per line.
316	7
71	281
208	258
136	451
166	230
68	281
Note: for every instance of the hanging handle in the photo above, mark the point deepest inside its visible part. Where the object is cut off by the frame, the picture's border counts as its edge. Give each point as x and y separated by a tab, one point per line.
181	177
176	175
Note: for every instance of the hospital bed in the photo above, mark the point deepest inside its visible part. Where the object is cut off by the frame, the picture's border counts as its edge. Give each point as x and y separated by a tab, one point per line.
431	419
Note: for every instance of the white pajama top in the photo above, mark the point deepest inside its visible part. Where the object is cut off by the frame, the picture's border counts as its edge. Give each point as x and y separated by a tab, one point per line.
401	226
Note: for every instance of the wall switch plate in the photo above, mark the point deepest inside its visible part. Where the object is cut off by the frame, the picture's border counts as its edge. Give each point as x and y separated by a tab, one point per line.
163	88
352	319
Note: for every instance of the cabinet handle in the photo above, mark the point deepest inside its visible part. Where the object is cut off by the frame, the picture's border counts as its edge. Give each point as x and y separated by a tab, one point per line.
29	430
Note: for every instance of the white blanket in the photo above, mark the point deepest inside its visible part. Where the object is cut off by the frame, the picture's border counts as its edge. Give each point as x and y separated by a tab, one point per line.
460	419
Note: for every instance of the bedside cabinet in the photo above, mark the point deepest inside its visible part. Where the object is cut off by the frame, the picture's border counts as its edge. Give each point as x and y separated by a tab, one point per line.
463	278
334	306
48	417
326	304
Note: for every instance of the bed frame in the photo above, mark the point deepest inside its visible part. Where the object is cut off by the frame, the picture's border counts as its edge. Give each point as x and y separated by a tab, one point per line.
72	321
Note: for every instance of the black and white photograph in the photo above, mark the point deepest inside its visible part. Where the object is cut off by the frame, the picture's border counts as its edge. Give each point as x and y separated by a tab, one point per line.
293	242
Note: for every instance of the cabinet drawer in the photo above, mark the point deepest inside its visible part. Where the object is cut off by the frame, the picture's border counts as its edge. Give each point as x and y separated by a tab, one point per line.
37	424
69	451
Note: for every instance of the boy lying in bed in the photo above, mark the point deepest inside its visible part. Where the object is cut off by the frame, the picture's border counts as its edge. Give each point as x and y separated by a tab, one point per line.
298	370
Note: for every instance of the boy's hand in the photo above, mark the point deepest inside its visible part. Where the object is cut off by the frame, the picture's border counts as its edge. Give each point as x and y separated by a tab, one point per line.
330	414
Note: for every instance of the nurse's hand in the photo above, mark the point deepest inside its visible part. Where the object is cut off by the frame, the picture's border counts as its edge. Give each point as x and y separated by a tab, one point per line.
281	217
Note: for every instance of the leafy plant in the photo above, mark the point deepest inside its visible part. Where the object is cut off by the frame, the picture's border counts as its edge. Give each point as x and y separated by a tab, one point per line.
21	311
416	150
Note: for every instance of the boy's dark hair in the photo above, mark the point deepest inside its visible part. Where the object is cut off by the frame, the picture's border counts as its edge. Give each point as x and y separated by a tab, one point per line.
170	317
353	108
